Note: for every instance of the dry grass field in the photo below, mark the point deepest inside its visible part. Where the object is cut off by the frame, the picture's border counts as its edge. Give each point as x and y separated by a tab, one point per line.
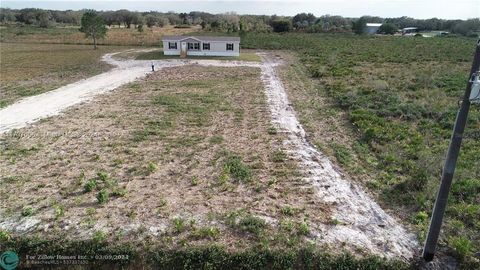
31	69
71	35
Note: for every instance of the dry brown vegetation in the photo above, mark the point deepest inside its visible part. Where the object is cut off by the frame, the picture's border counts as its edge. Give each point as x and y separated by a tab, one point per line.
71	35
31	69
187	154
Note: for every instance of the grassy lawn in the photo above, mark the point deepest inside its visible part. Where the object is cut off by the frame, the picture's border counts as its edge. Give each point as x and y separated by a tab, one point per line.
384	108
31	69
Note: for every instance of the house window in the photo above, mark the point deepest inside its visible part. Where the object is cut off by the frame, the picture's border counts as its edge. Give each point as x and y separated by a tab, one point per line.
229	46
195	46
206	46
172	45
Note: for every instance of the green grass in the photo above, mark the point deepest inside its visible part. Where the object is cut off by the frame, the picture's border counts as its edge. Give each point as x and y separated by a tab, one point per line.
193	257
158	55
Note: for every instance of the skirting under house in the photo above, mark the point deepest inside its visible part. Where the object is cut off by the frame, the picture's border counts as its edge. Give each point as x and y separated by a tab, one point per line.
201	45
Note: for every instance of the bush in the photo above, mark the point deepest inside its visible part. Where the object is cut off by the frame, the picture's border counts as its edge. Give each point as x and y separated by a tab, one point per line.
27	211
388	29
102	196
462	245
252	224
90	185
281	26
235	167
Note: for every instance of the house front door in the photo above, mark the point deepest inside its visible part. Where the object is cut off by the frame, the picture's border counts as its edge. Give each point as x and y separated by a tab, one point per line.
183	49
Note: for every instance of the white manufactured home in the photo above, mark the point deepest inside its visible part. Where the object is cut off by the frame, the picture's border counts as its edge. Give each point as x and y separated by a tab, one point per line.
201	45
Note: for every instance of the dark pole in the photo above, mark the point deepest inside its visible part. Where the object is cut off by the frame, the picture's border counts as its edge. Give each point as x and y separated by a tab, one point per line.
450	163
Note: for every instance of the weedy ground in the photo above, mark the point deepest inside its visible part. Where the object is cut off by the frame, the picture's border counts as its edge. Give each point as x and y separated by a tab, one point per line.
183	157
31	69
384	108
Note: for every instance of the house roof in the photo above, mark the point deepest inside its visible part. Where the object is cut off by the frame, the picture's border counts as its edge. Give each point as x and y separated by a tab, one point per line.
201	38
374	24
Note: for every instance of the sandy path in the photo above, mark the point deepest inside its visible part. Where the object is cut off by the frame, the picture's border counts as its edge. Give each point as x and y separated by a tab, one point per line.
361	222
34	108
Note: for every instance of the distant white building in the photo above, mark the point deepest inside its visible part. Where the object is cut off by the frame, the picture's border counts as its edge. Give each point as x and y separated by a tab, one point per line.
409	31
372	28
201	45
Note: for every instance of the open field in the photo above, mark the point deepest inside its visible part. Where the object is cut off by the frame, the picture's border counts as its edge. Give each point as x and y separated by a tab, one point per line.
185	157
381	107
31	69
384	109
71	35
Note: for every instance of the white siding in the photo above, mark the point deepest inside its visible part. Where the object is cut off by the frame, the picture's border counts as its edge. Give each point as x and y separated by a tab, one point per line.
168	51
217	48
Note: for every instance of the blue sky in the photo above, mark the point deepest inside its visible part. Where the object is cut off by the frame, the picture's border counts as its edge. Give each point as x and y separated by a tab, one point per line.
422	9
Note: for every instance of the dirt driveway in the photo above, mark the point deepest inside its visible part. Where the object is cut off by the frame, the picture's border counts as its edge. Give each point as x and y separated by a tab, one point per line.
31	109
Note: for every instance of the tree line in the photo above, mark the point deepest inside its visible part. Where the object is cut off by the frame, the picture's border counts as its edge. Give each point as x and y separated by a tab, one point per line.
231	22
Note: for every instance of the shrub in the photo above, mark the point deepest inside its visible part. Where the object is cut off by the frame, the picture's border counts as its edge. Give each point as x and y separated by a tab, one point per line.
288	211
4	236
151	168
179	225
99	236
272	131
281	25
279	156
388	29
102	196
252	224
342	154
206	232
27	211
59	211
235	167
303	229
462	245
90	185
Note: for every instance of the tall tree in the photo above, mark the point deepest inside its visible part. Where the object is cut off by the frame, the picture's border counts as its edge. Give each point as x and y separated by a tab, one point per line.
281	25
303	20
93	26
388	29
184	17
359	26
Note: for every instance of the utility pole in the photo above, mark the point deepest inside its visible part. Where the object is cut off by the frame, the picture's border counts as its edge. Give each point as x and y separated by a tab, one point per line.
450	163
